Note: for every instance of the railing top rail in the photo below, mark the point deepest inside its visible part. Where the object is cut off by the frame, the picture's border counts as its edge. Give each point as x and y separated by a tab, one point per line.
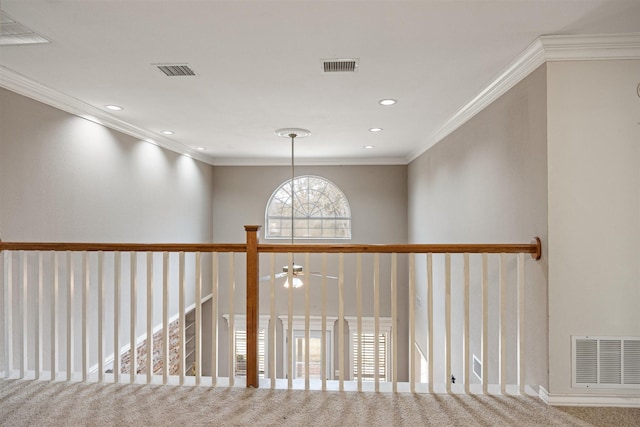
533	248
123	247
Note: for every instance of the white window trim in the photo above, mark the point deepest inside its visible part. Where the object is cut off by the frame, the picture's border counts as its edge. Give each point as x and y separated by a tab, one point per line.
266	213
368	326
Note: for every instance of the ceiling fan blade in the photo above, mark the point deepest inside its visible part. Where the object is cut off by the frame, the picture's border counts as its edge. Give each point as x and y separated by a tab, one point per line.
323	275
278	275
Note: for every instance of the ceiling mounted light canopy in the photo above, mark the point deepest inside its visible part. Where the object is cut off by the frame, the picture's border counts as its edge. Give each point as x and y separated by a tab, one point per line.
296	132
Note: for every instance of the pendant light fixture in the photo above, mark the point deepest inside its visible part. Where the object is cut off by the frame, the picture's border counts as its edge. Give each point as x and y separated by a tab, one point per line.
293	133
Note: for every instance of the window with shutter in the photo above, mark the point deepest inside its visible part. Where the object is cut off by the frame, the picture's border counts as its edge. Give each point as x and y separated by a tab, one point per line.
368	366
241	353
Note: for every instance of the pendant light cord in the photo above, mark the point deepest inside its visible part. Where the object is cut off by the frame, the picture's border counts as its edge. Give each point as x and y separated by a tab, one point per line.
293	136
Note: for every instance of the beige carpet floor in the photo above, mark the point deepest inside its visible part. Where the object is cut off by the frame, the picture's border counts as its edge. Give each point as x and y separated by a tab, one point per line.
41	403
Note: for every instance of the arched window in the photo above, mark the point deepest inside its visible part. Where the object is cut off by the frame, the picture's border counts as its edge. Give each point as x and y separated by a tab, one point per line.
320	210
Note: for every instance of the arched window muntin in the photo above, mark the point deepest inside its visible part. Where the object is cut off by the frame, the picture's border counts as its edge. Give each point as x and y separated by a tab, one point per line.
321	210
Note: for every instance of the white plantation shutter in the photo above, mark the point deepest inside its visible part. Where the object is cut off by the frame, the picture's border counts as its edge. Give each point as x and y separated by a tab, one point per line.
241	353
368	356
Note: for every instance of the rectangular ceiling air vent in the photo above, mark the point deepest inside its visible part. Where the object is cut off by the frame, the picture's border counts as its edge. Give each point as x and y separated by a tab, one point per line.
176	70
339	65
14	33
605	362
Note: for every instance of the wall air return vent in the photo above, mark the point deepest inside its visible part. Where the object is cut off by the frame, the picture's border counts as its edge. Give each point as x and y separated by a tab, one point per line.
339	65
176	70
605	362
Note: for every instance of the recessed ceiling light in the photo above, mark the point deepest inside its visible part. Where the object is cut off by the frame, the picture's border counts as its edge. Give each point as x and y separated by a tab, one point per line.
369	147
387	101
167	132
200	148
375	130
113	107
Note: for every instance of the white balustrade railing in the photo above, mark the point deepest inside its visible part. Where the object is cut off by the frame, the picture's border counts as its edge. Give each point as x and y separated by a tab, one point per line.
78	312
445	328
73	311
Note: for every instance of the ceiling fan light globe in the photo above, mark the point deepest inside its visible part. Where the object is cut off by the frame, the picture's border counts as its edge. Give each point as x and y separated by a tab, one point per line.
297	282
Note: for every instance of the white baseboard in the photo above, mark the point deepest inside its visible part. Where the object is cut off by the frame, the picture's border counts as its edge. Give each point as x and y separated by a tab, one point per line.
591	399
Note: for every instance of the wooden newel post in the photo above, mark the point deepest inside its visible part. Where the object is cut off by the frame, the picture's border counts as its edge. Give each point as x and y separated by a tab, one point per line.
253	305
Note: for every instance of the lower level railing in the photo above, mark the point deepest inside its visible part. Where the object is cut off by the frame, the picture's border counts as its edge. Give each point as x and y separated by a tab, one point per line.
365	317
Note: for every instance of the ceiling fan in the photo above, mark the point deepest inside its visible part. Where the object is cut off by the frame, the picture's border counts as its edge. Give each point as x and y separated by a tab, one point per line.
298	270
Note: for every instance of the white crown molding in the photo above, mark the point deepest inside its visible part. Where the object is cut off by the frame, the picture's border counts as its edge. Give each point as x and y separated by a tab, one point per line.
22	85
356	161
592	399
591	48
543	49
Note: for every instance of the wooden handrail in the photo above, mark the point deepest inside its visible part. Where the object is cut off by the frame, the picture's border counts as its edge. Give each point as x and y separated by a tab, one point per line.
533	248
123	247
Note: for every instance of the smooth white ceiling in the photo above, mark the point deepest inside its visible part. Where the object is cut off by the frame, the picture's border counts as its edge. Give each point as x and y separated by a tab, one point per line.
259	69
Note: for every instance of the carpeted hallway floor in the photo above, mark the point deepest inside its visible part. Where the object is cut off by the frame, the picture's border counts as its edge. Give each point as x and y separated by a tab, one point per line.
41	403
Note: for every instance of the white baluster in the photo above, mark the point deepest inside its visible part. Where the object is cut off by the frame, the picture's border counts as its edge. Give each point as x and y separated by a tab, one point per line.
232	329
39	318
323	344
307	332
412	323
430	319
149	317
85	316
447	320
133	351
165	318
54	318
101	274
182	324
465	345
272	323
521	297
341	320
8	329
116	318
485	324
359	316
376	320
23	316
214	319
503	326
198	338
70	331
290	325
394	320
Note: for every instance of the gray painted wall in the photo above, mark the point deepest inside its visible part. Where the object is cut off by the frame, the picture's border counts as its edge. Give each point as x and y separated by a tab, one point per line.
487	182
594	210
64	178
378	200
